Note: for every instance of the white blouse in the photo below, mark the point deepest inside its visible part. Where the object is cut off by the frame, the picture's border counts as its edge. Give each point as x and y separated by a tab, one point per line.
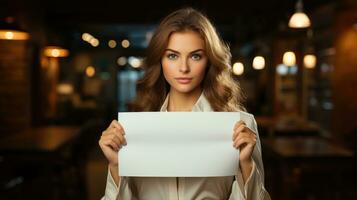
187	188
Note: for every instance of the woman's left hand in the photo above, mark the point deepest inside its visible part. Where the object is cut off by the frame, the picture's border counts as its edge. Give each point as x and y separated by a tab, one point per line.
244	139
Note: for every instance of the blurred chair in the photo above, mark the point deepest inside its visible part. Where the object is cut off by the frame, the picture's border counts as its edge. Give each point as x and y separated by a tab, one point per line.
307	168
287	126
75	157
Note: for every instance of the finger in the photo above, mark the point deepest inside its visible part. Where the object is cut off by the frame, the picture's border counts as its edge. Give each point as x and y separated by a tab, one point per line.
112	124
114	145
114	131
119	138
251	133
122	139
108	131
240	122
238	130
243	141
112	137
116	125
247	134
111	144
119	135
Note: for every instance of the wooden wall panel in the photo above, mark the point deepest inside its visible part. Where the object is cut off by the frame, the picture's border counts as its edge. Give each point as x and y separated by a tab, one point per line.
345	79
15	99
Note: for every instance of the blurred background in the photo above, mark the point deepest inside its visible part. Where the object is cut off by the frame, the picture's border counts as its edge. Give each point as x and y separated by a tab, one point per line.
68	67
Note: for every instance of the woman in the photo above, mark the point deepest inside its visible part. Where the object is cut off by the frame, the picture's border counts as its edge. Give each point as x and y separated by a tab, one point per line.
187	68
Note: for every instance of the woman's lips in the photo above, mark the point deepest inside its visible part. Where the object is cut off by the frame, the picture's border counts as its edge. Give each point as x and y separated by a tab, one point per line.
184	80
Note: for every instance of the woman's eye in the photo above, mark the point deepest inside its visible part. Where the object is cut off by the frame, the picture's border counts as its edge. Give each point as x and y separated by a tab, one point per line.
172	56
196	57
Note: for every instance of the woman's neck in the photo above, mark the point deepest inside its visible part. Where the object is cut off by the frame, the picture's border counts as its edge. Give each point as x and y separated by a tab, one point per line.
182	101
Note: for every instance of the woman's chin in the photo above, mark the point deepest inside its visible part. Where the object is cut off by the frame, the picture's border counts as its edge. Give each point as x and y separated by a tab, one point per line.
185	89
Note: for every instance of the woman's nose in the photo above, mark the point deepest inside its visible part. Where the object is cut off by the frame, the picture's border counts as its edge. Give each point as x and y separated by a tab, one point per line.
184	67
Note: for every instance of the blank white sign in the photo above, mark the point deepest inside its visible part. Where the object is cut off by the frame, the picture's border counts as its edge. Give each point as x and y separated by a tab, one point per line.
178	144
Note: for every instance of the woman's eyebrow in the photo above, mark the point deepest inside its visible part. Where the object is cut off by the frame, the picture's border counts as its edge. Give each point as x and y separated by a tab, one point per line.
197	50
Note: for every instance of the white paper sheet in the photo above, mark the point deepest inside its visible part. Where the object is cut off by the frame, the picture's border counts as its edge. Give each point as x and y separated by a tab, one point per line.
178	144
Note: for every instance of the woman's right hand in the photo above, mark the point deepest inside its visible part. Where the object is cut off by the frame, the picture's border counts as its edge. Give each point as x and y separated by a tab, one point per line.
111	141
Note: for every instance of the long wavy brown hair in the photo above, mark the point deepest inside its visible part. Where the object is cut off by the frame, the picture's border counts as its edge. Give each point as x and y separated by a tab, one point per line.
219	87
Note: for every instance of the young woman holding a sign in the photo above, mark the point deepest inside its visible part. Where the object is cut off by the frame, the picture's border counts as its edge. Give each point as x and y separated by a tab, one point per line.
188	68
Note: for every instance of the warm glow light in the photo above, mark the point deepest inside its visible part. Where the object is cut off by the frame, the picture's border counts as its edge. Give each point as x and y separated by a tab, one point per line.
90	71
289	58
9	35
55	52
299	20
258	62
65	88
238	68
94	42
112	43
125	43
86	36
13	35
135	62
310	61
122	61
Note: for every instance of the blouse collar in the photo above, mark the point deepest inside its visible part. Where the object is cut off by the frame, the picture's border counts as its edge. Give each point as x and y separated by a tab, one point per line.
202	104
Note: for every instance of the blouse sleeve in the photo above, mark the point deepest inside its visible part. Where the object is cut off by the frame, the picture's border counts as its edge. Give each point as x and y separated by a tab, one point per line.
254	186
113	192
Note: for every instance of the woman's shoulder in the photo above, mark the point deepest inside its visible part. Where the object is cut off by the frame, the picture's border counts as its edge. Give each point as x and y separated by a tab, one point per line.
248	118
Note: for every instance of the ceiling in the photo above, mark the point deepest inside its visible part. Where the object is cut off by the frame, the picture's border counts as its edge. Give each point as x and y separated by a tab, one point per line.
238	21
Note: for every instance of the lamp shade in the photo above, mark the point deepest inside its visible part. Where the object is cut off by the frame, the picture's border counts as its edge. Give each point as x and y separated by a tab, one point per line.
258	62
11	31
55	52
310	61
238	68
299	20
289	58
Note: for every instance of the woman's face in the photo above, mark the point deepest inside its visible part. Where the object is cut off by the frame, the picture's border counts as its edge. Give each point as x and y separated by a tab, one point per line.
184	61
